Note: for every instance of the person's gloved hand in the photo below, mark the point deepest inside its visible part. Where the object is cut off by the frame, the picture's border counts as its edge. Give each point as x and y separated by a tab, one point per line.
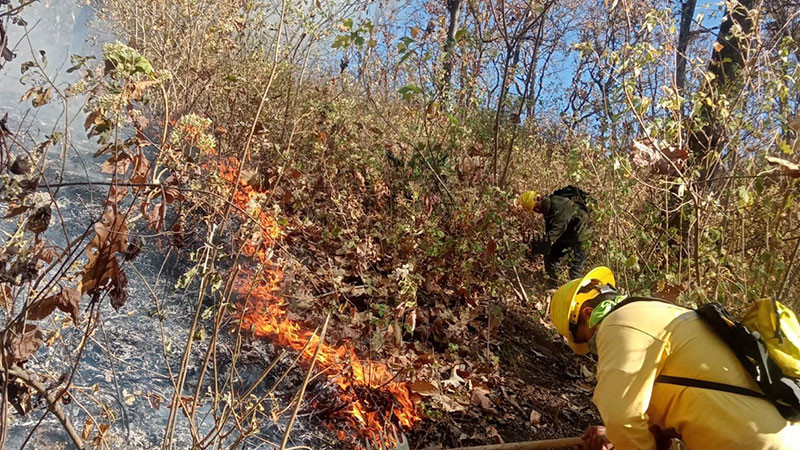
594	438
539	246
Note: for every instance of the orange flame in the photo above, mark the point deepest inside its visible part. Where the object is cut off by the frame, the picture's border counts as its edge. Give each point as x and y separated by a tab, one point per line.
268	317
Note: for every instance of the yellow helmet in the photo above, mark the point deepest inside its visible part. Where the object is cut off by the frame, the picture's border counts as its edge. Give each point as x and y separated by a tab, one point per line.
566	303
528	200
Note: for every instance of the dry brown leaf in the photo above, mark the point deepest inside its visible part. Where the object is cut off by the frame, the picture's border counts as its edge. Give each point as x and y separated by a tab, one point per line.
15	210
49	254
21	343
155	400
94	118
141	168
535	417
87	429
423	388
41	96
66	300
155	218
100	269
119	293
449	403
480	397
101	433
118	164
492	432
39	220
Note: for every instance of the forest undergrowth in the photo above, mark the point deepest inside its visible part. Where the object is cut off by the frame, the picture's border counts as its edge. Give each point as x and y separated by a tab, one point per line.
357	165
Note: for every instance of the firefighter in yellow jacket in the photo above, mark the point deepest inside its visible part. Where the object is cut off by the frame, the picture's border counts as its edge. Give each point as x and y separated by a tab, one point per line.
641	341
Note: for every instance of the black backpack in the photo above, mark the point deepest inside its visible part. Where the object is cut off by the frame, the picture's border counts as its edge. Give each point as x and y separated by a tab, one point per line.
576	194
781	390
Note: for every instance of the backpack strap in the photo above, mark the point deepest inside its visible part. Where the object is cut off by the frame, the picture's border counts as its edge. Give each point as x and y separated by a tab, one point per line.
635	299
690	382
703	384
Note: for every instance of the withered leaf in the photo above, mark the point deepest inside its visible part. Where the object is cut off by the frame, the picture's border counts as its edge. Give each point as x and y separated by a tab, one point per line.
66	300
171	191
535	417
141	168
155	218
101	268
134	90
20	343
39	220
101	434
423	388
117	193
119	293
21	165
94	118
40	95
480	397
29	185
110	149
111	232
25	268
132	250
3	126
19	396
118	163
15	210
49	254
155	400
87	429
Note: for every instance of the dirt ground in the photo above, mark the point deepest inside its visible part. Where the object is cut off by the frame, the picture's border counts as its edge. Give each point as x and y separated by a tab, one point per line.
546	390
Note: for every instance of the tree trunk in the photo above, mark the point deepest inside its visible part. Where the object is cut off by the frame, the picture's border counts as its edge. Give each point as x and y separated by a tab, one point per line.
726	63
454	8
687	13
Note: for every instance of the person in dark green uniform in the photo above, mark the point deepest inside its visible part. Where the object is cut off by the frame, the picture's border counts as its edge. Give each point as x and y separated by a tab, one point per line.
567	229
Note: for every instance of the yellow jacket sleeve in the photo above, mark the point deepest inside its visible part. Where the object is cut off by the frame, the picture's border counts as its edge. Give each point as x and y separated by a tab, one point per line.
626	370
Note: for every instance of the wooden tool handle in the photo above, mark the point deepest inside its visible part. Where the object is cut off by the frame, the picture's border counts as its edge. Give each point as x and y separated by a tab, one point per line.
530	445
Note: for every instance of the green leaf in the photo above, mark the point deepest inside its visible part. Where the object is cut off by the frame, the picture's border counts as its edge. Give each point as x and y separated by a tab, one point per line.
409	91
342	41
78	61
